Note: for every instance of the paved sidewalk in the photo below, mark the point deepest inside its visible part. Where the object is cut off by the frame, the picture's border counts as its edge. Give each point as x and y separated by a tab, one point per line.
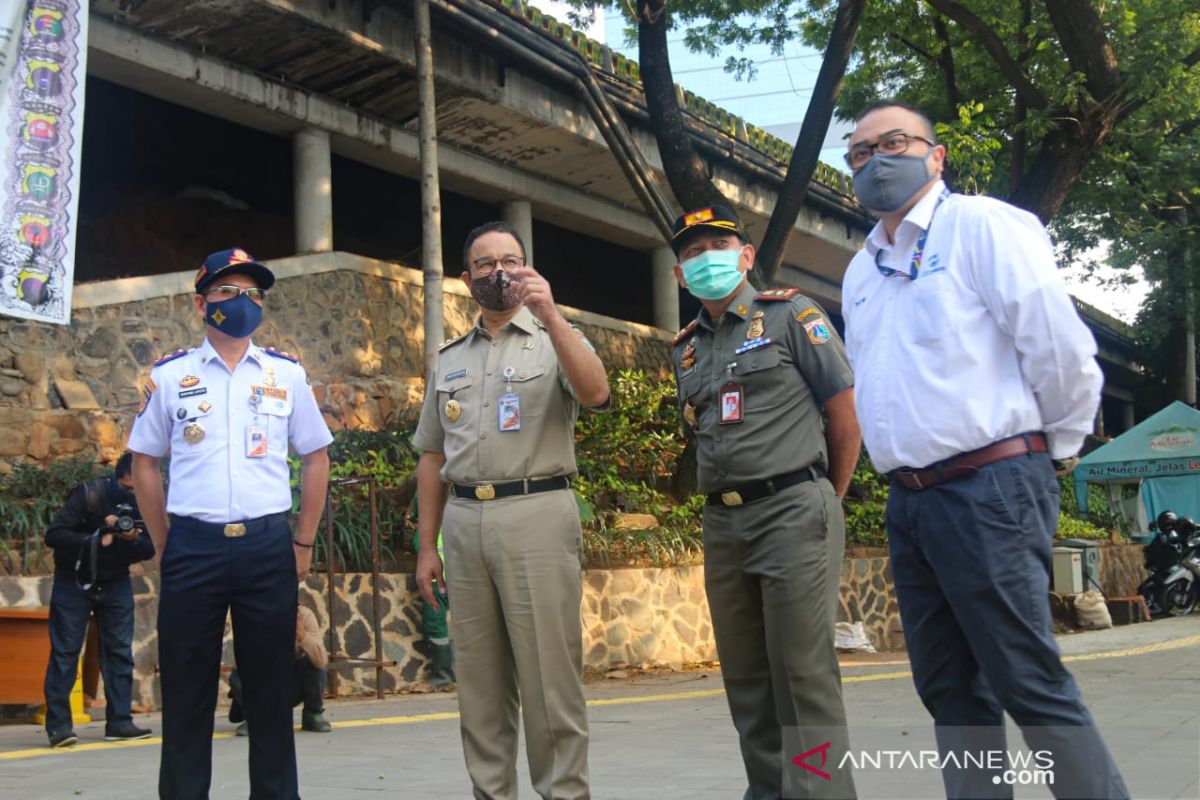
661	737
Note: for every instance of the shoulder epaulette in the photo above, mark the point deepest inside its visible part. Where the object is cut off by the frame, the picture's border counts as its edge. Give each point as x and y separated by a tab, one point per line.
683	334
452	340
170	357
271	351
778	294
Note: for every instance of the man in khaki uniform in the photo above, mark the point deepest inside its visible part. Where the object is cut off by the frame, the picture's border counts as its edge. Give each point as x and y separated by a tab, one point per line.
498	452
754	371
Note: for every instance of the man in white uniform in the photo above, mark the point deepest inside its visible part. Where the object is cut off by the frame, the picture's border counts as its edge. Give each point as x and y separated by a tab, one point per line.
226	411
976	385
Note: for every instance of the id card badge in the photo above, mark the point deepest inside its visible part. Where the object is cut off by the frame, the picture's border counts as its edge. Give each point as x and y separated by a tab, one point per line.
732	398
256	441
509	407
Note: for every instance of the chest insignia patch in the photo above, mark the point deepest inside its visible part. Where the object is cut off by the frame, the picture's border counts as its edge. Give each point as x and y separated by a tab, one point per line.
688	358
753	344
189	381
756	326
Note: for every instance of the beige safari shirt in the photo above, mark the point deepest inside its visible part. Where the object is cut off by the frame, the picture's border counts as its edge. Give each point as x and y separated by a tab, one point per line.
470	371
781	348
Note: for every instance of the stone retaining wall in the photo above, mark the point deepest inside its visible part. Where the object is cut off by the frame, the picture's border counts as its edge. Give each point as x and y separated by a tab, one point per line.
354	322
630	617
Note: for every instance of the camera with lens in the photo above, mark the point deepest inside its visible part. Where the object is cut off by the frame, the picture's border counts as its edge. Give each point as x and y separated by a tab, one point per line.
127	518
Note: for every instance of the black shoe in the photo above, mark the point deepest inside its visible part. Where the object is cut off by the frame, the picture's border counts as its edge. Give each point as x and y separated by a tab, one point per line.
314	721
63	738
125	731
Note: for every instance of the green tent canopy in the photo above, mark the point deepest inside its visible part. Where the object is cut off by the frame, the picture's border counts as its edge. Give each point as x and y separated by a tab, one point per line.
1162	453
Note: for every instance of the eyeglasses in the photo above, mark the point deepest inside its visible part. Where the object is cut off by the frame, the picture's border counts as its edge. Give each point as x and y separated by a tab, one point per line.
892	143
222	293
486	266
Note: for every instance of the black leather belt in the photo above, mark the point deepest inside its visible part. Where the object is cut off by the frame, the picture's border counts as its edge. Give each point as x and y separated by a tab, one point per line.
494	491
230	530
748	493
969	463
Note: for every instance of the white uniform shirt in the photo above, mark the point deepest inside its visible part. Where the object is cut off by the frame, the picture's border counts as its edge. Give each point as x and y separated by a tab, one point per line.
984	344
214	479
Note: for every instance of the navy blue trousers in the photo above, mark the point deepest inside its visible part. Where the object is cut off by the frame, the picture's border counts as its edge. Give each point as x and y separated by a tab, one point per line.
253	578
70	608
971	561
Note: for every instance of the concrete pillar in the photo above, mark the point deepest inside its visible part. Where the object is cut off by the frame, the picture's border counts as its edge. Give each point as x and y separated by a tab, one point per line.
312	186
519	214
666	289
1098	422
1127	417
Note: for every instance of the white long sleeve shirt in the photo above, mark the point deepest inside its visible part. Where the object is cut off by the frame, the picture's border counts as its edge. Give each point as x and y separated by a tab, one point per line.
983	344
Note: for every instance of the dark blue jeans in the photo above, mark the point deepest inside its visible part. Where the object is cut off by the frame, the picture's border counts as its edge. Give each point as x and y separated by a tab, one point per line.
971	561
70	608
253	579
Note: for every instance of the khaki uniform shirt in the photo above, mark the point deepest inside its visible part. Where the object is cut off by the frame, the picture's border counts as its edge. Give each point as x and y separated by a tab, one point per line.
791	362
470	372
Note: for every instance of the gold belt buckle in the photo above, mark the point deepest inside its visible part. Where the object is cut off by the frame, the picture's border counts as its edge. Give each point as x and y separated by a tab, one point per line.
731	498
485	492
235	530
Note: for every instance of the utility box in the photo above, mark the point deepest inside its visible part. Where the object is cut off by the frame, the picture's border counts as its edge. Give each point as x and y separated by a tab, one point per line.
1068	571
1091	560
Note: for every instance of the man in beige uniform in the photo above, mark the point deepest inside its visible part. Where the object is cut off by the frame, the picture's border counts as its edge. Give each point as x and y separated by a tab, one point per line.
498	452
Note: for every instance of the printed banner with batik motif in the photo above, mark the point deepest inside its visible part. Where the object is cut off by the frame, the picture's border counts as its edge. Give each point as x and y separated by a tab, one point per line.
43	63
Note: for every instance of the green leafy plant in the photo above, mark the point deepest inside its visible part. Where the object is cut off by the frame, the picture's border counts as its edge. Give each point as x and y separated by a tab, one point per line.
385	456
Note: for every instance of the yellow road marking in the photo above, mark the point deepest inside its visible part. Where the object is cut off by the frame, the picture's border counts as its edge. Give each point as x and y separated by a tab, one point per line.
1174	644
410	719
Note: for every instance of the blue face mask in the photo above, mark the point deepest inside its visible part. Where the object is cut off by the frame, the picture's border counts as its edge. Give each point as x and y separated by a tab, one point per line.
238	317
713	274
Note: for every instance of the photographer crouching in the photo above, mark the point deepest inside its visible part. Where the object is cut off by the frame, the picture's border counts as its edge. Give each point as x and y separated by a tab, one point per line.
95	536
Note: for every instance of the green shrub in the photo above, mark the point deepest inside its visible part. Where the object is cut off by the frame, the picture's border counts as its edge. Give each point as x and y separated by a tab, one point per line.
388	457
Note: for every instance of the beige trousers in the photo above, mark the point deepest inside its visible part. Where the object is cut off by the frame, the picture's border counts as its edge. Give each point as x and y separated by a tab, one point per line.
513	571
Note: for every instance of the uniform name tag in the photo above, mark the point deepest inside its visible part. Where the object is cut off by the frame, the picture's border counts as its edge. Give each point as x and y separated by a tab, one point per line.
194	392
458	373
509	408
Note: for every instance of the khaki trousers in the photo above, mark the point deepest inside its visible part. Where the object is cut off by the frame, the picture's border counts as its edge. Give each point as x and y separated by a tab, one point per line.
513	571
771	573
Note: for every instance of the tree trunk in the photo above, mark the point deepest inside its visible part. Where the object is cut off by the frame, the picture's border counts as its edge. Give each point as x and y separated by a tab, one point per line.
811	137
686	172
1064	154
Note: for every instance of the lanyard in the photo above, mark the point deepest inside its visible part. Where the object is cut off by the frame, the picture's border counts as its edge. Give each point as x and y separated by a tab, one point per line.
918	250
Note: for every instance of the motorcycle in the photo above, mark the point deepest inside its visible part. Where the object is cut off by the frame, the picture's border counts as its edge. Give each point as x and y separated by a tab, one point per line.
1170	584
1181	591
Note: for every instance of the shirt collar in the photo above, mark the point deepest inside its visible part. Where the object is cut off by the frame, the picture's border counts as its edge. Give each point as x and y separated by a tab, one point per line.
919	216
739	307
206	353
523	321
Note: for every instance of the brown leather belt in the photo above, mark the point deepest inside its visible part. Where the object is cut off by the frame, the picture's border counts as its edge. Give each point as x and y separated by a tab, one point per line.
967	464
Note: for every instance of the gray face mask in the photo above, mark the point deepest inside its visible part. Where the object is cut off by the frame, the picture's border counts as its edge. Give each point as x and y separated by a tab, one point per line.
886	183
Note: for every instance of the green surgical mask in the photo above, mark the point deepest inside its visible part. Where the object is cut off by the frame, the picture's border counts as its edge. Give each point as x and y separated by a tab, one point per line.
713	274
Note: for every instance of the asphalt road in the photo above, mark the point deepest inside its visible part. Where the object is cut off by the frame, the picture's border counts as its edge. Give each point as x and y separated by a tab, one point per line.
665	736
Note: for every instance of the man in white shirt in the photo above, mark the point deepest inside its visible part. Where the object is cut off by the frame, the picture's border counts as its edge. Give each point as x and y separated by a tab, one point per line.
226	412
976	385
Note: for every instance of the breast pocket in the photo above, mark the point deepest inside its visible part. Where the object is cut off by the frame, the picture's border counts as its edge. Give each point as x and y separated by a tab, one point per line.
533	385
930	303
277	430
754	371
454	402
